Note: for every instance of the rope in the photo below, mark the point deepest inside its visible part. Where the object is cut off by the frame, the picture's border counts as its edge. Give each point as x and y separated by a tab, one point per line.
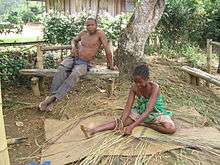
119	126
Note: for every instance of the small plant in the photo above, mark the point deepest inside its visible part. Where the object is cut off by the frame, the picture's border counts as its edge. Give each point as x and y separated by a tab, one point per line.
193	55
49	60
10	64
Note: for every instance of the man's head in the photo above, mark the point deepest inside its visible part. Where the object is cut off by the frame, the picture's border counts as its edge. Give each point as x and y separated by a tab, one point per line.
91	25
141	75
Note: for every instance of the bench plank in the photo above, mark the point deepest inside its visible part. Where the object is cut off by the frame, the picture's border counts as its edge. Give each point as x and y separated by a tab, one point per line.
97	71
201	74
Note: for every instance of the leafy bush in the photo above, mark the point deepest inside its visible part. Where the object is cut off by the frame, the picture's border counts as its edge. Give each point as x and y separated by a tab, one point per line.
13	20
10	64
33	14
61	28
28	16
193	55
113	26
6	27
50	60
186	21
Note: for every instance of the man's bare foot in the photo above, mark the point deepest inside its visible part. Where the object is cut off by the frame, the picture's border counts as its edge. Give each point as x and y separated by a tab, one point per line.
86	131
43	106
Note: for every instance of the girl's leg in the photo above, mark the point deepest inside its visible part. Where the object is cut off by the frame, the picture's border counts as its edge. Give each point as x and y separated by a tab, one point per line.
167	128
104	127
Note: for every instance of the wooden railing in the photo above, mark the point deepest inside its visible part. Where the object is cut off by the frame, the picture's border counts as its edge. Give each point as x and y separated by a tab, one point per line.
20	43
42	48
210	44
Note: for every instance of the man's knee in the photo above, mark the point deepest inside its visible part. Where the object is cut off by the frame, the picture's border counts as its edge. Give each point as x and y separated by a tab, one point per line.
61	67
79	70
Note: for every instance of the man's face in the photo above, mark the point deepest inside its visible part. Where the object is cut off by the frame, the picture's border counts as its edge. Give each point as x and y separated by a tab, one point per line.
91	26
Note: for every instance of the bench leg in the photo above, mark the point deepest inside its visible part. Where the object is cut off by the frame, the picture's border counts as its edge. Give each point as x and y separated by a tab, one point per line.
35	86
197	81
207	84
192	80
41	84
111	86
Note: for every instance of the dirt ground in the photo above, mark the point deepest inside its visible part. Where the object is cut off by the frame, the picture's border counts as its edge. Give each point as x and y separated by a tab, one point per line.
22	118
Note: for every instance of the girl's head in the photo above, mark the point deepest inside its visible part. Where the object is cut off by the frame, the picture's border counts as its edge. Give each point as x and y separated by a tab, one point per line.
141	75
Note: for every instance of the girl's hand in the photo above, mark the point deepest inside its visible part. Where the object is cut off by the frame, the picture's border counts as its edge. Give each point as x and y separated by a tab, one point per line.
128	130
119	126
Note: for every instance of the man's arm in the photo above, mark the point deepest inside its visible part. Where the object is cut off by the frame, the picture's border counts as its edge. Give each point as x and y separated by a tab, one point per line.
74	43
108	51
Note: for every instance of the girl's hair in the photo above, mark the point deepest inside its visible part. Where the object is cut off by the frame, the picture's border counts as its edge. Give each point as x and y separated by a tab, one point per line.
141	70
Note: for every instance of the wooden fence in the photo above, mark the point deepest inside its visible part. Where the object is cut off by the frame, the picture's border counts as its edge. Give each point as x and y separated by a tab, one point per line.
20	43
210	44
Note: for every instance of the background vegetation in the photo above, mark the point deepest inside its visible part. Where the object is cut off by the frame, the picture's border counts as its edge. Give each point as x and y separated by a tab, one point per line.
15	13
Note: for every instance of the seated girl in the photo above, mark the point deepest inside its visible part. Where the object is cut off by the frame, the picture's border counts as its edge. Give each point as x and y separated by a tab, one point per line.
144	107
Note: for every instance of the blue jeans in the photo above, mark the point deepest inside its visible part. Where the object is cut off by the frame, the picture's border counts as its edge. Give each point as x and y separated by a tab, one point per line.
68	74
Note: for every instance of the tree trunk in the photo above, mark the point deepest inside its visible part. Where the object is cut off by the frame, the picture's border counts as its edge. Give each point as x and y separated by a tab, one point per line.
132	41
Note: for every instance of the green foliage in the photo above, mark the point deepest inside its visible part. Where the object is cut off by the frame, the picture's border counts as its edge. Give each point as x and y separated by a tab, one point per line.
18	13
12	23
61	28
192	54
6	27
190	21
177	20
113	26
9	5
184	28
10	64
50	60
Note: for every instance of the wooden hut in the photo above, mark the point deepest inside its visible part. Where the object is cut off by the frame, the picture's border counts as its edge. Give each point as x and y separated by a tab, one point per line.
114	7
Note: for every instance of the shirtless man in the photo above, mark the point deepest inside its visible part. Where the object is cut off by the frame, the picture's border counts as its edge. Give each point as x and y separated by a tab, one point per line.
84	49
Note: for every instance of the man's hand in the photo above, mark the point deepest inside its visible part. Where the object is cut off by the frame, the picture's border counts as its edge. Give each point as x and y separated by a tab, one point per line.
74	51
113	67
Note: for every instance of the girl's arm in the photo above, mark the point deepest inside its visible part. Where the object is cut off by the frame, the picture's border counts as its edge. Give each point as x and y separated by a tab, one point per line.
149	107
130	101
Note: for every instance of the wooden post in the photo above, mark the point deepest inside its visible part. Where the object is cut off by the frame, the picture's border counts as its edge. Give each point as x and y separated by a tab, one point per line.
218	53
197	81
111	80
35	86
111	86
192	80
35	80
209	52
39	57
4	158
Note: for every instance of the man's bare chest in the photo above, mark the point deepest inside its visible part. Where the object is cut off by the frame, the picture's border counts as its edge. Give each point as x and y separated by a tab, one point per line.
90	40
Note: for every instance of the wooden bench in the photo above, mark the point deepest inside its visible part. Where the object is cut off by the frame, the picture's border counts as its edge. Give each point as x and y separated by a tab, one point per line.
39	73
195	75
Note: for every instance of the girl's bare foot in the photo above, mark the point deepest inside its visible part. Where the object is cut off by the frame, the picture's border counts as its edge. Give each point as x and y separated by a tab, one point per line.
86	131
